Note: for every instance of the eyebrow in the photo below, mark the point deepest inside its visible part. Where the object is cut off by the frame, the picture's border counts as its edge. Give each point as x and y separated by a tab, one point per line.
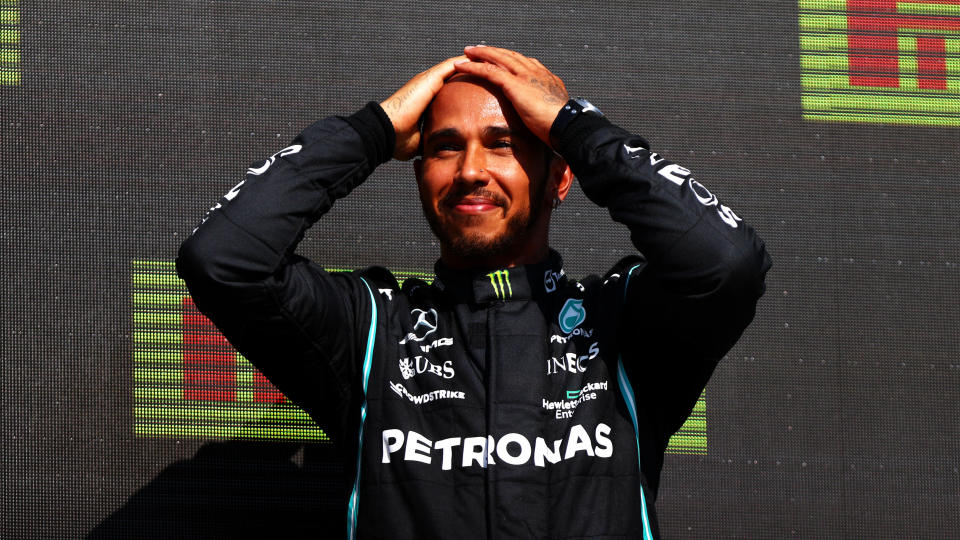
490	131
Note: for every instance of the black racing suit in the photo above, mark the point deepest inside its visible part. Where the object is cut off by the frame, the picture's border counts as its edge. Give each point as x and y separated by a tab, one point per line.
517	403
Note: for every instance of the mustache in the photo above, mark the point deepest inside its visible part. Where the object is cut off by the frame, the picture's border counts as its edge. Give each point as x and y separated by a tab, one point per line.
456	195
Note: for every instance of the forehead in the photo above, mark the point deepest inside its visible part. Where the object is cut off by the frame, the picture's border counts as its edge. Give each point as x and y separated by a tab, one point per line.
466	103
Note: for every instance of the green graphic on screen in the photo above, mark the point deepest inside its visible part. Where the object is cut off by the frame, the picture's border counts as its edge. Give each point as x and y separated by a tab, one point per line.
189	382
882	61
9	42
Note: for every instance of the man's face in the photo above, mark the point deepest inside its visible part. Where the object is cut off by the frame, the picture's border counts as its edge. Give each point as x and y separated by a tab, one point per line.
483	175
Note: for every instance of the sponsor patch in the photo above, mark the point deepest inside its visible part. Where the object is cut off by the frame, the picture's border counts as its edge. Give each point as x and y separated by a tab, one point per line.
573	398
572	362
510	449
410	367
572	314
424	324
551	279
419	399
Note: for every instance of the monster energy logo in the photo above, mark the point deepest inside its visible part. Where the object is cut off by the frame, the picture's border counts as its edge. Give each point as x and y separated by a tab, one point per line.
500	281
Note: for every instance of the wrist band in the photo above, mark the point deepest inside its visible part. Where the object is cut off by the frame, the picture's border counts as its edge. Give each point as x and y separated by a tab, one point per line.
572	109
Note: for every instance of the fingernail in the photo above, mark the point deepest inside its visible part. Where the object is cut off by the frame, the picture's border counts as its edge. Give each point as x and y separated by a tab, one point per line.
458	62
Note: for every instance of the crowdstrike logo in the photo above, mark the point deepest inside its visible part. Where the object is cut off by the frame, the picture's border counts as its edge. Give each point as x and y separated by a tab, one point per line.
420	399
425	323
572	314
511	448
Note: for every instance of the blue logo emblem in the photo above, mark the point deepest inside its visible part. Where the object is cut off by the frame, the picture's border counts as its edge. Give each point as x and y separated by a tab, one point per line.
572	315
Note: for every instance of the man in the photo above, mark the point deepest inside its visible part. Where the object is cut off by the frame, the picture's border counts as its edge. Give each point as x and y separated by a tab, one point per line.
504	400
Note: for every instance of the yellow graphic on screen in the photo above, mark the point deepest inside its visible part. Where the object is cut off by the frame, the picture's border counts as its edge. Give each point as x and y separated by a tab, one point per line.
884	61
189	382
9	42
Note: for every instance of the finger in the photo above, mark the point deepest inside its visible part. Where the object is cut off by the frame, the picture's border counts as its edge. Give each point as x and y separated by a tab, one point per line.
511	60
494	55
538	63
435	75
446	67
485	70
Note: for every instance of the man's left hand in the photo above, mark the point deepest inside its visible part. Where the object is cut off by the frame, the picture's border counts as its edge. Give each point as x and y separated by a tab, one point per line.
535	92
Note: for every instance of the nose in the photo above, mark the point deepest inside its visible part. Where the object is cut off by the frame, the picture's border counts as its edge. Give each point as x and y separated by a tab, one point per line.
473	165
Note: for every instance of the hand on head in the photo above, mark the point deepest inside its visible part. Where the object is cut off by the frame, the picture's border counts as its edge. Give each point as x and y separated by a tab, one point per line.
533	90
535	93
406	105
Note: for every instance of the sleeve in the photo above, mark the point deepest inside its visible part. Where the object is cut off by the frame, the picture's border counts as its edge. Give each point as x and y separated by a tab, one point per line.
295	322
693	290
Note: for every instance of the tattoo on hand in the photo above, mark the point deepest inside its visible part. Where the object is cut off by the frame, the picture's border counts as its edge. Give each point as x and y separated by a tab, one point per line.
553	92
396	103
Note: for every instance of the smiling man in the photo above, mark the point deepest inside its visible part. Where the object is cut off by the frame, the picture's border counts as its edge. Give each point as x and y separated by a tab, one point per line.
483	178
505	399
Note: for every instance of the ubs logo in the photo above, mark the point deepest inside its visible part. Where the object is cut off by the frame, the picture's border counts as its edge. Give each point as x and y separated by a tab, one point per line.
425	323
411	367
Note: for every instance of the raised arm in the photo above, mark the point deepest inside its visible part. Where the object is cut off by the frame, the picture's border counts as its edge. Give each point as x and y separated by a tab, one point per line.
693	291
298	324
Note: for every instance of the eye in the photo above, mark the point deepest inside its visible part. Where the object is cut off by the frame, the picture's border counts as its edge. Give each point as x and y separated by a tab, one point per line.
442	147
502	143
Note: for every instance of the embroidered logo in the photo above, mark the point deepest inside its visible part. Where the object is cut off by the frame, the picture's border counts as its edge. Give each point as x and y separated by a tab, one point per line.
572	315
425	323
500	281
406	368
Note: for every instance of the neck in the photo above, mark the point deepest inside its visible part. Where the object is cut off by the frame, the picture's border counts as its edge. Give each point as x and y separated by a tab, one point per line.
507	259
530	247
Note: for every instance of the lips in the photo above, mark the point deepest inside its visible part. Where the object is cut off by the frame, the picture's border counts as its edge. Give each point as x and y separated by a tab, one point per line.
474	203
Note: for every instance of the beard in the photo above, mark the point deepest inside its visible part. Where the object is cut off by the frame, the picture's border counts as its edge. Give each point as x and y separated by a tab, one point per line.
468	244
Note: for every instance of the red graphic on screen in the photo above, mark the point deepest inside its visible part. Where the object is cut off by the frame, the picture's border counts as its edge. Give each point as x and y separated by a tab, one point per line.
210	363
872	42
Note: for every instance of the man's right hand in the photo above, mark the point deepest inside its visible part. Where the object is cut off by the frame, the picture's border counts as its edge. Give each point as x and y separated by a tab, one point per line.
406	105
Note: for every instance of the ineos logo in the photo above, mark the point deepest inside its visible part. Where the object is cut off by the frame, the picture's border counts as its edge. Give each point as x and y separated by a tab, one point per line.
425	323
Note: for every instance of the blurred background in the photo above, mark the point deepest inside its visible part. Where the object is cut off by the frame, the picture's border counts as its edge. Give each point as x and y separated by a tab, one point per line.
832	126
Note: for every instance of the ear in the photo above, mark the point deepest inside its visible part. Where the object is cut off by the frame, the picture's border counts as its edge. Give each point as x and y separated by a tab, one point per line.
561	177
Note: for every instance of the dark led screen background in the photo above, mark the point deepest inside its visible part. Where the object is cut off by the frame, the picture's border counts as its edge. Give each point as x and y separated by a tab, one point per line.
831	126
